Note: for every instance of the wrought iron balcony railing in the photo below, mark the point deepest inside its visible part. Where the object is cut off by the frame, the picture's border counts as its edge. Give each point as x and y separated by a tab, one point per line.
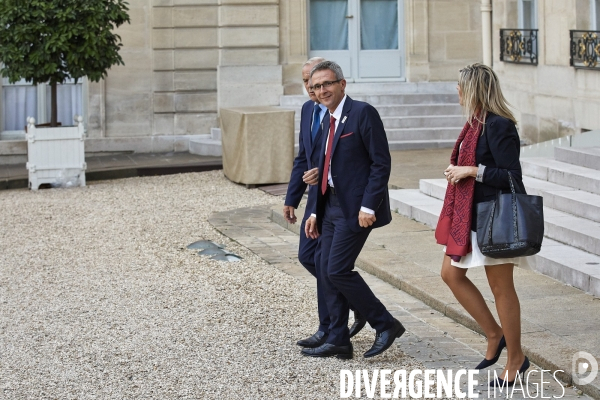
519	46
585	49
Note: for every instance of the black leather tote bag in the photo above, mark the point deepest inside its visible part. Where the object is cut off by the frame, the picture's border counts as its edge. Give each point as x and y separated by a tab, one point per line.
512	225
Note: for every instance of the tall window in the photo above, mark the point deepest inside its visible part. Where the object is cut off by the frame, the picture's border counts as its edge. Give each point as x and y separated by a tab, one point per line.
595	15
527	14
21	100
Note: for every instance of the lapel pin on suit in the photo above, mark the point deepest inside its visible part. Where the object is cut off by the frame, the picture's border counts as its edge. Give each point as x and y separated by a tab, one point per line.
344	119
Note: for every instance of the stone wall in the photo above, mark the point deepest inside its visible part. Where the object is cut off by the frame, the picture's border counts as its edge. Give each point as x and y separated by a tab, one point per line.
551	99
293	43
185	59
121	105
442	37
249	72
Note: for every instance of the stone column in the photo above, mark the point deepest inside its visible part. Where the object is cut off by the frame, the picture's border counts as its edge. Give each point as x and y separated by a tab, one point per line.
293	46
185	59
96	121
486	31
128	88
417	40
248	73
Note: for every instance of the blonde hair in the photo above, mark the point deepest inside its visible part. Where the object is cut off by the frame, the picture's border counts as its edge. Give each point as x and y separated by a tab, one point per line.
481	93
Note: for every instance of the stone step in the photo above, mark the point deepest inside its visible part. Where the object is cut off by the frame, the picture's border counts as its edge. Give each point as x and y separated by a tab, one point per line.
400	87
435	188
407	144
398	99
569	265
568	224
406	110
382	99
567	199
385	88
575	231
402	110
416	205
447	136
562	198
428	121
206	147
420	144
423	134
454	123
562	173
426	132
588	157
215	133
560	261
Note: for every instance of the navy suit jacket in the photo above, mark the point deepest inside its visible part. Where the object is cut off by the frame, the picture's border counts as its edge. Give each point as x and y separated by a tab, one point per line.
360	165
309	152
498	149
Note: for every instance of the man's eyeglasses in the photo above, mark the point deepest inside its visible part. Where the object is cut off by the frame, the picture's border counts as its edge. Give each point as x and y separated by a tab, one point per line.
325	85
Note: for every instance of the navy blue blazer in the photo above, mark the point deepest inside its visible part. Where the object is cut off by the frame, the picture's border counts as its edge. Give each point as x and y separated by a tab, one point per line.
498	149
309	152
360	165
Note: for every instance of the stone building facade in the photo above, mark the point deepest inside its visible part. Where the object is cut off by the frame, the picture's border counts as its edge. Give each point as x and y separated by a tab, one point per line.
186	59
552	99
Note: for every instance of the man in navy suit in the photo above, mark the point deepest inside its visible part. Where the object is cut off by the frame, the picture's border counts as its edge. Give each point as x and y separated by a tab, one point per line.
352	199
306	172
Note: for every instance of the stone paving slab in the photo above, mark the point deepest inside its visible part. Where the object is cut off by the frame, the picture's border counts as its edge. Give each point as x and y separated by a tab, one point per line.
432	338
557	320
116	166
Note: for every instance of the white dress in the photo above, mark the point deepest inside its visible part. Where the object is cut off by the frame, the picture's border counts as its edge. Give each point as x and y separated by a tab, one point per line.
476	259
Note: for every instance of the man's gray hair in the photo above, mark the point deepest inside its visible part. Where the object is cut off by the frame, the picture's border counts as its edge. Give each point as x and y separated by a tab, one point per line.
313	61
330	65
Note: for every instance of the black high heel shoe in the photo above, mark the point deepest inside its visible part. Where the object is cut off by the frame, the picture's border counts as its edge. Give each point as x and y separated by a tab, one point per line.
486	363
500	383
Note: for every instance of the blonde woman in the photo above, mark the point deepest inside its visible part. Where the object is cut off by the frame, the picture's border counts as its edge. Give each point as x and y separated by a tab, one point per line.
486	150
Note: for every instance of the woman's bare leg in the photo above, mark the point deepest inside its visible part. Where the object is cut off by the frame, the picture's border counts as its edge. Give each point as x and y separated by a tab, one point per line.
500	278
471	299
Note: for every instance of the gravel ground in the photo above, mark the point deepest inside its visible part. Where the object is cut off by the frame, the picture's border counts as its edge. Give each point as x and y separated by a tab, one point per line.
99	298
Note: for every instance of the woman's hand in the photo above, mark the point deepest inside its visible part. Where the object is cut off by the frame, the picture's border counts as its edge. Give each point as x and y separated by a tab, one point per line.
455	173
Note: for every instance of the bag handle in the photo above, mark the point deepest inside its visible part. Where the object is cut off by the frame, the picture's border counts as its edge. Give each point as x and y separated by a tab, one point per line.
513	196
514	207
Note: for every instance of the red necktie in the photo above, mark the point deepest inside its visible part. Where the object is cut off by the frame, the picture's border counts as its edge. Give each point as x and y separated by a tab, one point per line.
328	154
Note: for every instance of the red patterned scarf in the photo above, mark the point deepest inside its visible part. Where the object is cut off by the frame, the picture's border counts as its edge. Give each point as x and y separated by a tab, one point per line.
454	226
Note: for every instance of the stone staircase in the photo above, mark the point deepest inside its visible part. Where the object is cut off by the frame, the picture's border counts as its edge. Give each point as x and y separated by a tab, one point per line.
207	145
415	115
570	186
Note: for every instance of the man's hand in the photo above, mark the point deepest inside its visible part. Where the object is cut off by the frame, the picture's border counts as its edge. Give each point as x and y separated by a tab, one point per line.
311	177
365	220
310	228
288	214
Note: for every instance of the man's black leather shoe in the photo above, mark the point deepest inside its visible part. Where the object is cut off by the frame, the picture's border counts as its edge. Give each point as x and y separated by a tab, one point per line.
330	350
314	341
359	323
385	339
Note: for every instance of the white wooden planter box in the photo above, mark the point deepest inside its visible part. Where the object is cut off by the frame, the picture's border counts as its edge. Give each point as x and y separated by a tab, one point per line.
56	155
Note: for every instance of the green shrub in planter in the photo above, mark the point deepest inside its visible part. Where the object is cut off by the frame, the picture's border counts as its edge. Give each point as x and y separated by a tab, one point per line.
50	41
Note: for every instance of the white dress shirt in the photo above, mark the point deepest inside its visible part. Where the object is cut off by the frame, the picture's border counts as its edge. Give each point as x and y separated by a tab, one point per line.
337	114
